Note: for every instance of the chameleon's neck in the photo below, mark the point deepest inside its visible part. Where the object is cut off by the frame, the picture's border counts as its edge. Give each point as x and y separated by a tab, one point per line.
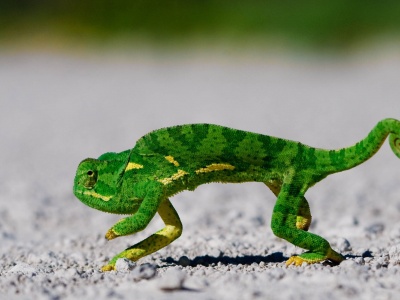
347	158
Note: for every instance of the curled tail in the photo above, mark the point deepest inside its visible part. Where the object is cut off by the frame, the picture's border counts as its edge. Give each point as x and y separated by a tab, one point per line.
394	140
350	157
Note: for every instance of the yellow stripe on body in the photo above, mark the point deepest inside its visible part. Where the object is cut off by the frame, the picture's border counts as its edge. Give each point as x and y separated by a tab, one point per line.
96	195
215	167
132	165
176	176
172	160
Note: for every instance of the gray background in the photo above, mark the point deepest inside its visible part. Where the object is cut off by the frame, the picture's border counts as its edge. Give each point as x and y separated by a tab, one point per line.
57	109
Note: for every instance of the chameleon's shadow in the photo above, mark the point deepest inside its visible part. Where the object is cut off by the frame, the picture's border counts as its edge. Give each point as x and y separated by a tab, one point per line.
206	260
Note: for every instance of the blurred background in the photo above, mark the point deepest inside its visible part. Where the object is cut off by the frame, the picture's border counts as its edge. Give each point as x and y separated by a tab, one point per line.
335	25
80	78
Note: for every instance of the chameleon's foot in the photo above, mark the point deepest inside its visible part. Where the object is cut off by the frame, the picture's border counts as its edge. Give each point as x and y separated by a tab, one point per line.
335	257
312	258
296	260
111	234
107	268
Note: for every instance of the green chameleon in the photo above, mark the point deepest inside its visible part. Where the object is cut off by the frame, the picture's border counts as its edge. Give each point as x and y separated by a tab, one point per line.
164	162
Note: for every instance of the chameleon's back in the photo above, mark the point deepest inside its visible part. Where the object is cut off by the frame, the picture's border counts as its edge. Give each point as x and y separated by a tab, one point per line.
207	143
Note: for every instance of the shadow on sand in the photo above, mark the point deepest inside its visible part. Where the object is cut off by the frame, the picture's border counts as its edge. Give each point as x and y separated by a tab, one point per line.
206	260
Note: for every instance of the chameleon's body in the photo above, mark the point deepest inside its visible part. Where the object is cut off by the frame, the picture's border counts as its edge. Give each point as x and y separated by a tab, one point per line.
169	160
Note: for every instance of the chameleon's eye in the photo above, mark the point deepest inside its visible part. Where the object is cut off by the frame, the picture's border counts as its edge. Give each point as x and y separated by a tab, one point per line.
91	179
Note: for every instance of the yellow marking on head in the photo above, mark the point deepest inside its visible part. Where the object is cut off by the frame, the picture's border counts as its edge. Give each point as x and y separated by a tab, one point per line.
215	167
132	165
176	176
172	160
96	195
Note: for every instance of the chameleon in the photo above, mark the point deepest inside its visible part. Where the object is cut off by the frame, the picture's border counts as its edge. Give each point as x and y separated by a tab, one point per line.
139	182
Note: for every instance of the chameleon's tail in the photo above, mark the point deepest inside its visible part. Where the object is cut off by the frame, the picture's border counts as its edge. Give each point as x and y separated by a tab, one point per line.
350	157
394	140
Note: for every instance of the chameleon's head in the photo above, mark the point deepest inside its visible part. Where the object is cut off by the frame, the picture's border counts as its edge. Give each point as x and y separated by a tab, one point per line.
97	182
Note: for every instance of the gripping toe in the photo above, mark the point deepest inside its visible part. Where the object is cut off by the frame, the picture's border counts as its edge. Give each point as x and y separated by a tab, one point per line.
107	268
295	260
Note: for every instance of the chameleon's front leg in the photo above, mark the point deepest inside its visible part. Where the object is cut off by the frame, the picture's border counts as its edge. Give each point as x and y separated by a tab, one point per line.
160	239
291	219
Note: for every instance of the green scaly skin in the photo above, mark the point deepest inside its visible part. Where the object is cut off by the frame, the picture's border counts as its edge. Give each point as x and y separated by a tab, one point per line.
164	162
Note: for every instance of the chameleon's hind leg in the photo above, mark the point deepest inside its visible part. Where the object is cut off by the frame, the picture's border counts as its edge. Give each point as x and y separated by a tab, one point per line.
291	207
158	240
303	219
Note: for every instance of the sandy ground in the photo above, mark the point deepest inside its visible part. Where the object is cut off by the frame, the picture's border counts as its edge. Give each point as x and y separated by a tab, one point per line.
57	109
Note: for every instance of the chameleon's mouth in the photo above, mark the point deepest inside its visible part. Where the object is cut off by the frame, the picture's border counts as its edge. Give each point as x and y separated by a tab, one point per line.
96	195
81	193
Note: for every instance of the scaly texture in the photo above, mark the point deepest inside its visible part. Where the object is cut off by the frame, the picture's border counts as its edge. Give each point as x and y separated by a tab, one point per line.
169	160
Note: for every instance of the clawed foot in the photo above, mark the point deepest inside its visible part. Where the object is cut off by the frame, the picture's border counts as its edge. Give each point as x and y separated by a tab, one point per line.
107	268
311	258
296	260
111	234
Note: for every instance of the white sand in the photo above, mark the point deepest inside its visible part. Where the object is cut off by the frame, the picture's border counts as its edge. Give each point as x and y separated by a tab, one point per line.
59	109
